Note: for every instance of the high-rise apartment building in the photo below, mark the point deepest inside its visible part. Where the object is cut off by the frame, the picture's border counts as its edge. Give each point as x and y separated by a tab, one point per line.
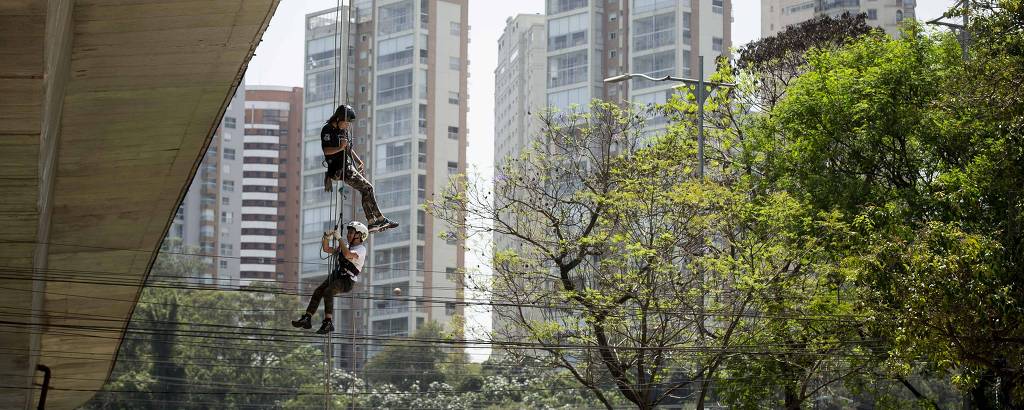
590	40
887	14
208	219
404	68
271	181
519	84
559	61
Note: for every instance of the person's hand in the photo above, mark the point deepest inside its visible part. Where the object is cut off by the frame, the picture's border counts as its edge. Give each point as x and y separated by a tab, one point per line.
343	144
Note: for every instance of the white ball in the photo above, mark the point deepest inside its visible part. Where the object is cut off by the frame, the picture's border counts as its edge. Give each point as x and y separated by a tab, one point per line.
397	291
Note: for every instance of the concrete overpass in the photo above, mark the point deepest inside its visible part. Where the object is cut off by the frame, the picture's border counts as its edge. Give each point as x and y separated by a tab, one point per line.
106	108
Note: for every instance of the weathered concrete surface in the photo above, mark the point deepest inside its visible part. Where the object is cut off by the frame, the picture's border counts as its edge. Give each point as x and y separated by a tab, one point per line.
106	107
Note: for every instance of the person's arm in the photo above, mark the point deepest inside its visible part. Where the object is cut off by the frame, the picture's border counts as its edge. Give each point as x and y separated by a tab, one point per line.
358	161
343	248
326	243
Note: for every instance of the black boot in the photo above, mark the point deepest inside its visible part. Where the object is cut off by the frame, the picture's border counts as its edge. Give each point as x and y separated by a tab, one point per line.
326	327
305	322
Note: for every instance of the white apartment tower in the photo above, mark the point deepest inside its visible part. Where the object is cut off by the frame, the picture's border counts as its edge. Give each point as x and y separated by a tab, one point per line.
559	61
887	14
519	84
590	40
405	71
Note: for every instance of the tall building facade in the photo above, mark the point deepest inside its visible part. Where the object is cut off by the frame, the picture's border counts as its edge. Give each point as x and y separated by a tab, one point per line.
271	181
590	40
208	219
519	84
561	64
404	70
887	14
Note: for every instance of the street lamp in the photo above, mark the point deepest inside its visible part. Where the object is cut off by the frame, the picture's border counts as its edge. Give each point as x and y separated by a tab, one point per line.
702	94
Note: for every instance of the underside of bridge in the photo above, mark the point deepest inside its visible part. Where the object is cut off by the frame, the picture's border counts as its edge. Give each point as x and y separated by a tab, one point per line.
106	108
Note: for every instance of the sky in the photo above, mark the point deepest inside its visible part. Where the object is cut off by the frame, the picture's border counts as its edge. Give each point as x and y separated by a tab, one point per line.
278	61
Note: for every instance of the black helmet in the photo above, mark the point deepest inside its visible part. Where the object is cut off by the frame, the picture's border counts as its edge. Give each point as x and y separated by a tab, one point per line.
343	113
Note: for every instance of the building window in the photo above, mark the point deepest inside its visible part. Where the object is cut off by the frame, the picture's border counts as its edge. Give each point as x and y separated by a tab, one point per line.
565	69
390	263
228	186
687	70
449	308
229	153
687	36
423	119
421	224
872	14
394	17
391	327
316	221
451	274
456	28
401	233
646	6
654	31
393	192
716	44
422	154
566	100
394	87
568	31
453	167
453	132
717	6
561	6
320	86
393	157
654	65
230	122
395	52
223	264
394	122
227	217
454	63
425	14
226	249
224	200
453	97
320	52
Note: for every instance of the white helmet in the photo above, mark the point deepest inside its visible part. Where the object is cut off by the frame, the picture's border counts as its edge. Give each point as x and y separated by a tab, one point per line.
360	228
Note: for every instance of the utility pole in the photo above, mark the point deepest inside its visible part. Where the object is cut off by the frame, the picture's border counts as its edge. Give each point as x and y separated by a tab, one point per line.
703	90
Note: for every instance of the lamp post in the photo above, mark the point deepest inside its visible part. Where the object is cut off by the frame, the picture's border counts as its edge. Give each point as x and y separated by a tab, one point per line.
702	93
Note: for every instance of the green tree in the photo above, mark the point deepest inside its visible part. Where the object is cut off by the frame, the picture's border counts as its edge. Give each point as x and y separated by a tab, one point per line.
920	153
407	363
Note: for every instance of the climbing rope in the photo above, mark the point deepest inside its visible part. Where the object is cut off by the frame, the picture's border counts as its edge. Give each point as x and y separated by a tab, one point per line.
331	265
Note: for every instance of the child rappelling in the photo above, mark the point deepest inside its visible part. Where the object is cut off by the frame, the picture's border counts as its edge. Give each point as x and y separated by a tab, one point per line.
347	257
344	164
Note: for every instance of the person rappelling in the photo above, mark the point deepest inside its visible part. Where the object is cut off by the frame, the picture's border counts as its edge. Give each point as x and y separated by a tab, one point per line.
348	258
343	163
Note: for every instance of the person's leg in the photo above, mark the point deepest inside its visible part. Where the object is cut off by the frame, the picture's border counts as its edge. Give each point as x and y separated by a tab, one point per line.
306	321
358	181
319	293
327	325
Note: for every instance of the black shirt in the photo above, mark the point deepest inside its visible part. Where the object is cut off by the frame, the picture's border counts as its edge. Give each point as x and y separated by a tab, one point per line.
331	137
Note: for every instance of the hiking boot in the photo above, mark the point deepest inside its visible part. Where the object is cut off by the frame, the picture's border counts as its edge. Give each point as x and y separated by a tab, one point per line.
326	327
305	322
382	224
